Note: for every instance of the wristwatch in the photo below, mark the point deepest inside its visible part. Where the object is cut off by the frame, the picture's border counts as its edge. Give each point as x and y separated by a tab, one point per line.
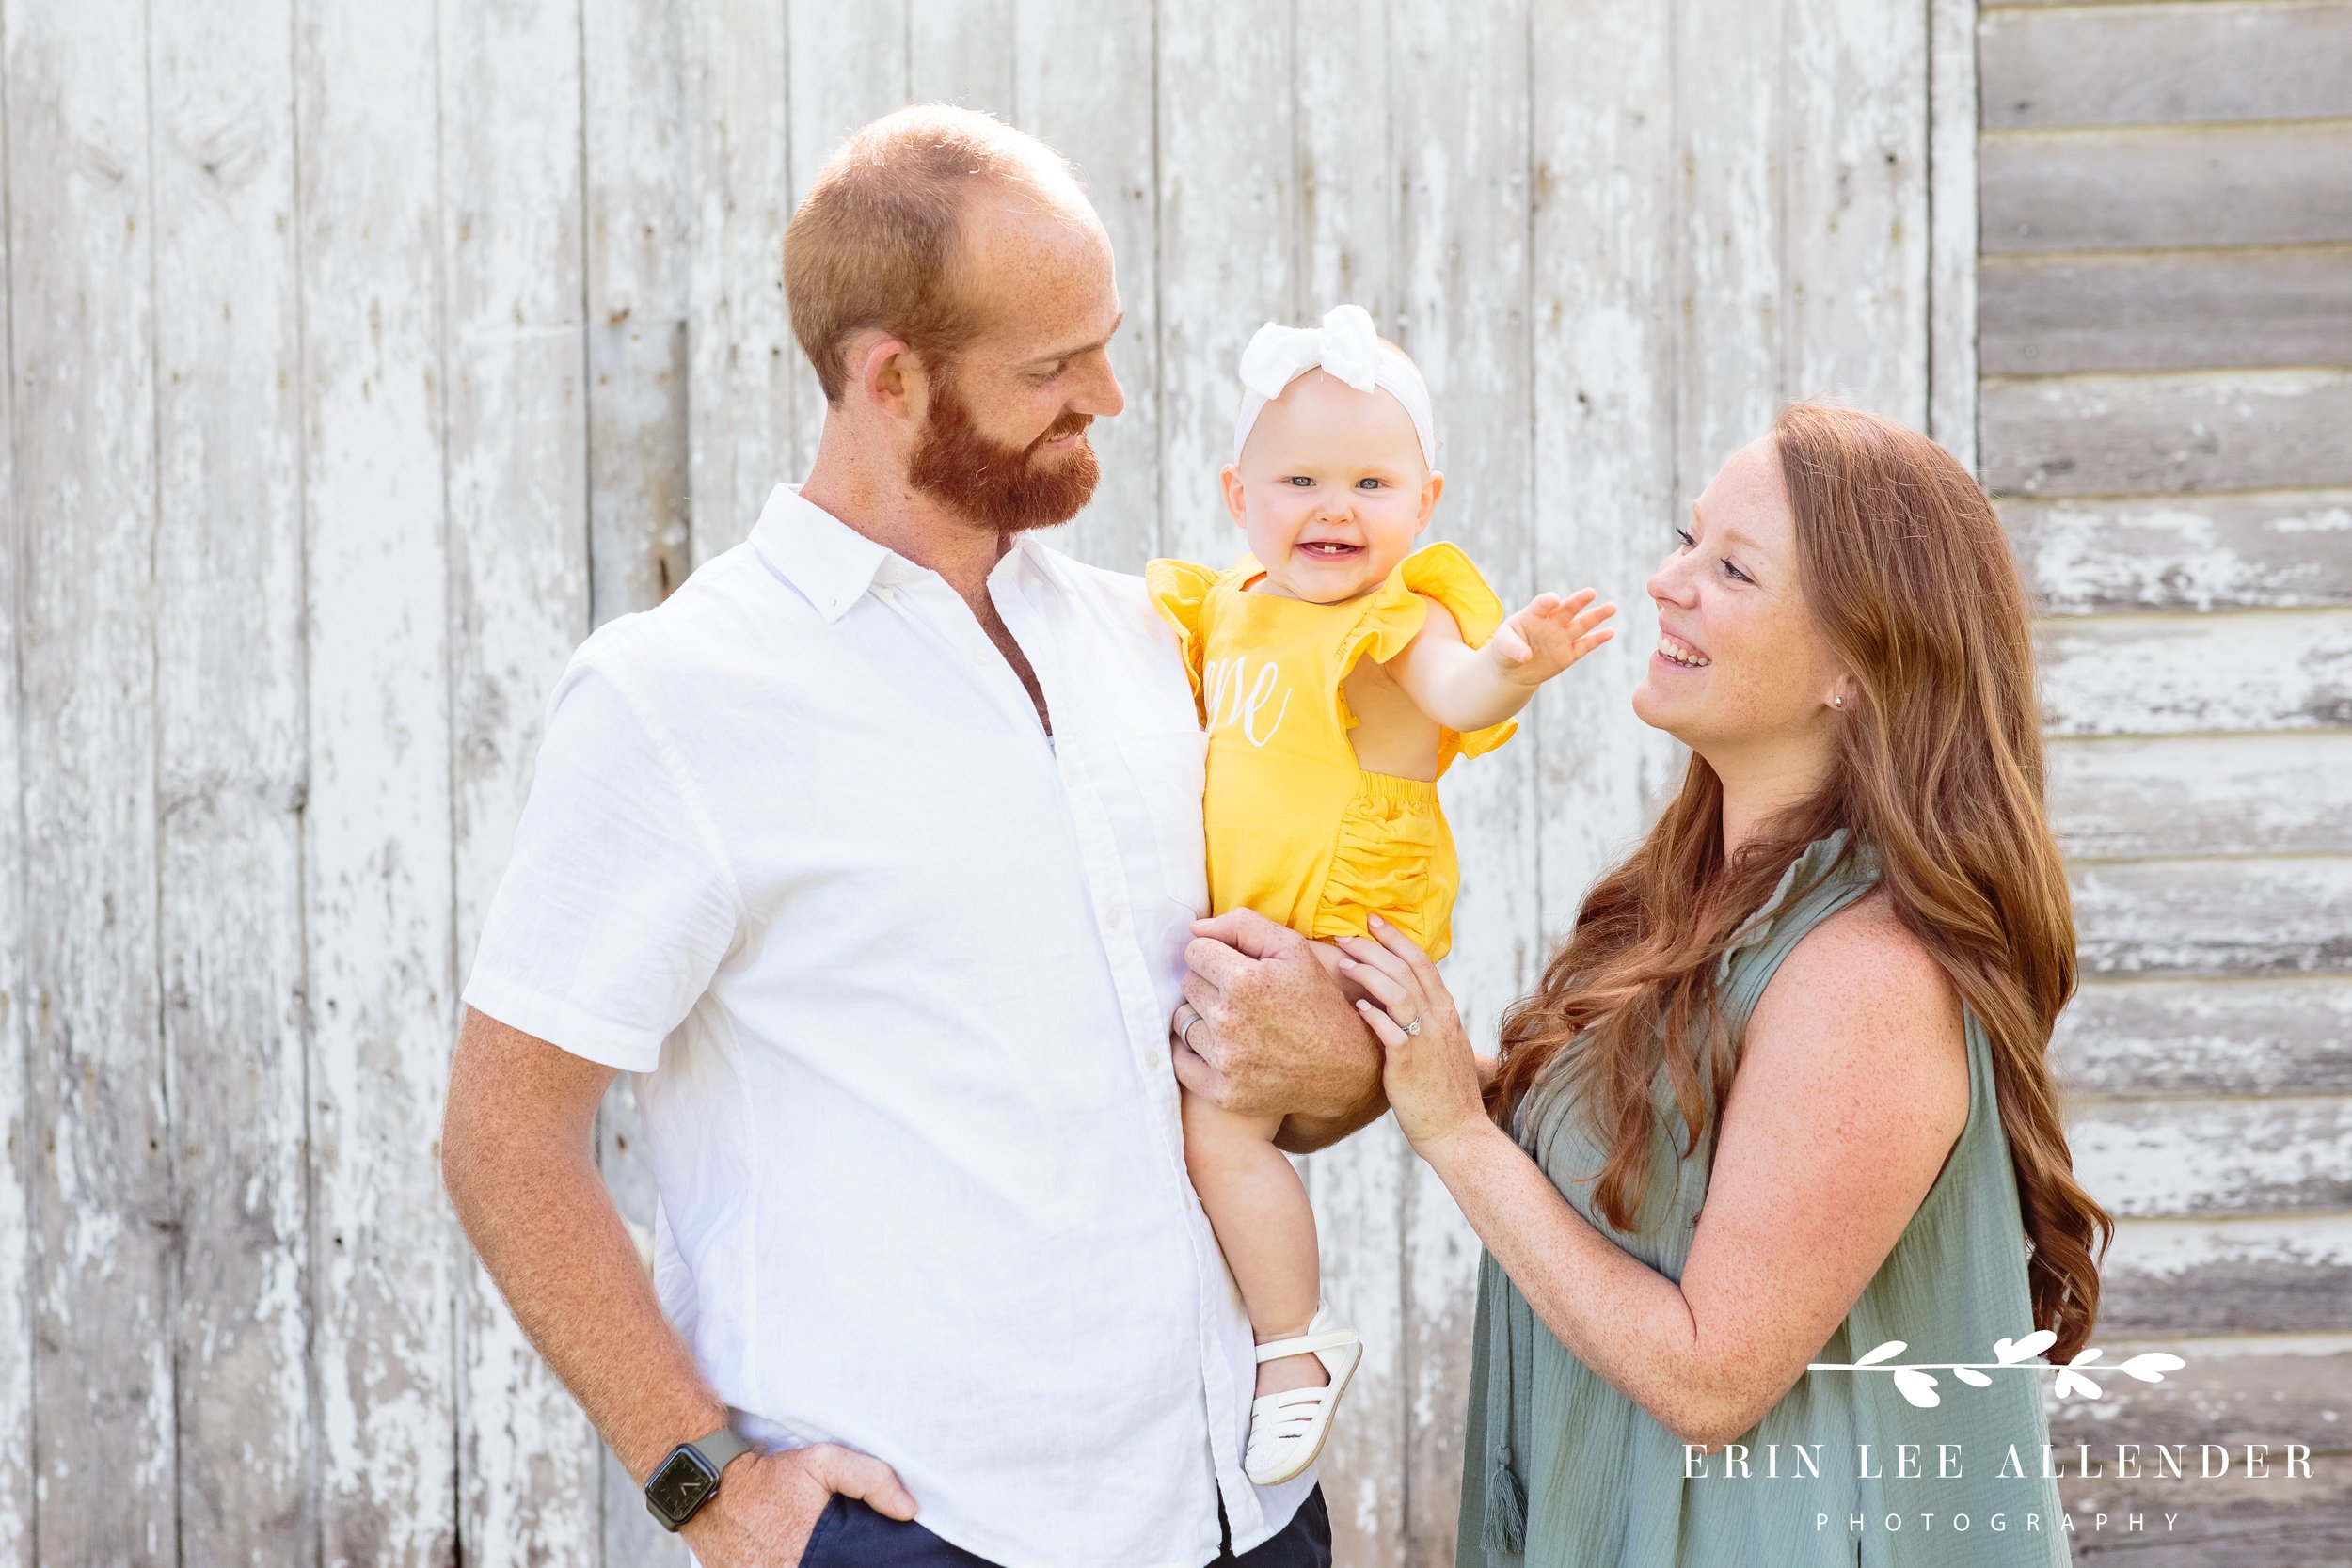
690	1476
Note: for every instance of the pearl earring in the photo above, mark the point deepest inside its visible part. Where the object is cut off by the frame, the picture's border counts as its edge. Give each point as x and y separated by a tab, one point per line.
1838	699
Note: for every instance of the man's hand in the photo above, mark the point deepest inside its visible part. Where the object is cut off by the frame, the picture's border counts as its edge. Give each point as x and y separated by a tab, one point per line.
768	1503
1276	1034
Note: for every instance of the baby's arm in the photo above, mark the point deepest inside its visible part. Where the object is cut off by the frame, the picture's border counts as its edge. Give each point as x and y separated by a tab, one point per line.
1466	689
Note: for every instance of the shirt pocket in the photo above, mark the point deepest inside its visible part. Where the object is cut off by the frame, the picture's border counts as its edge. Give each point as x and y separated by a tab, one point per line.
1170	769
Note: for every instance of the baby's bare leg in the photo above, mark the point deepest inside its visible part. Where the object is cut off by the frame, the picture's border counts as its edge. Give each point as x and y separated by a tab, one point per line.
1265	1225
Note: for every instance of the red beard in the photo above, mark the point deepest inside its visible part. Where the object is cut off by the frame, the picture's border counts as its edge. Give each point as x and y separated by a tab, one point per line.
1007	489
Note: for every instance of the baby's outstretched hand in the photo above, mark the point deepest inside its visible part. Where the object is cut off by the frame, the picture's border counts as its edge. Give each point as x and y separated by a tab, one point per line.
1551	634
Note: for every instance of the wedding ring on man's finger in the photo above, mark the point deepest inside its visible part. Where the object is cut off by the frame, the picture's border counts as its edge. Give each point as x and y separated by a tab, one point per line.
1190	1025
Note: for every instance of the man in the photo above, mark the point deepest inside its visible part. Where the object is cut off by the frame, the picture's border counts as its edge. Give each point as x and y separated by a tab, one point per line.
875	851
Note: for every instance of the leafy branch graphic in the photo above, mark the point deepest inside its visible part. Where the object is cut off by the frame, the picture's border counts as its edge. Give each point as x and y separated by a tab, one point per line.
1912	1379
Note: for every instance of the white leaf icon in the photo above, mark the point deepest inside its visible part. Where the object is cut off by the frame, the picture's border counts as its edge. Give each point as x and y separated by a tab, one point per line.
2083	1358
1972	1377
2009	1352
1916	1386
1892	1346
2151	1366
2074	1383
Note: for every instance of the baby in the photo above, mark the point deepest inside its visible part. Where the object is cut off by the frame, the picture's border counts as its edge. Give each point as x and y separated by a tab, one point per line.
1338	672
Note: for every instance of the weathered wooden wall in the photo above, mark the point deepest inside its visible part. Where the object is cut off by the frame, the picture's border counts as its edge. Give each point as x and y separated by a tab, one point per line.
363	357
2166	306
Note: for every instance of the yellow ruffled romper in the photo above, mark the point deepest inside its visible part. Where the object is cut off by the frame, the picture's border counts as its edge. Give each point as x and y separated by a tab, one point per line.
1297	830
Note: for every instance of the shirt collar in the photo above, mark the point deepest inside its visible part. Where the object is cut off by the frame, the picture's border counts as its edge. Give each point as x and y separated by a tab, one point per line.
834	565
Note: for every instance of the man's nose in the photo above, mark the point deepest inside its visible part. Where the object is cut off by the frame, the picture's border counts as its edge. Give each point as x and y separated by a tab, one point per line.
1100	396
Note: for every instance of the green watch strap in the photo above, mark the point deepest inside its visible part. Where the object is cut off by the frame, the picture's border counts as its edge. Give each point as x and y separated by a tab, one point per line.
719	1448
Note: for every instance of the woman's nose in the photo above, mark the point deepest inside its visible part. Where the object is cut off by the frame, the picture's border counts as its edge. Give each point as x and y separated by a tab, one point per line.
1668	585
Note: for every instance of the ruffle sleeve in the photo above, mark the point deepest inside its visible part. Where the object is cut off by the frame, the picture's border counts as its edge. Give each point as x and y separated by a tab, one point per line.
1180	592
1444	573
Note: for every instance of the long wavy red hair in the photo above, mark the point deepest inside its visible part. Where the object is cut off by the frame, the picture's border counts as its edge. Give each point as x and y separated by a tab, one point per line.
1939	769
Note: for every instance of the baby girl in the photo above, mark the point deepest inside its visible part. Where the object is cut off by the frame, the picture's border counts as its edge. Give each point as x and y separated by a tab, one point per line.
1338	672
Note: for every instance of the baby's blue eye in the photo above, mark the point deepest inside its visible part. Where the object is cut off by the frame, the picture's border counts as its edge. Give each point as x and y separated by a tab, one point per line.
1301	480
1367	484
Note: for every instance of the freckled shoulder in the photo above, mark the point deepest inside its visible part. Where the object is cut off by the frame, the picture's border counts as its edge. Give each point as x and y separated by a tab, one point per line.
1863	998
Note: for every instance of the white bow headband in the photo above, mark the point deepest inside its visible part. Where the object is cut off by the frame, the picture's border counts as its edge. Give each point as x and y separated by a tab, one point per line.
1345	345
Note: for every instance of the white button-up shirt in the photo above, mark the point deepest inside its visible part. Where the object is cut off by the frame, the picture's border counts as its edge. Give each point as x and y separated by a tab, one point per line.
896	971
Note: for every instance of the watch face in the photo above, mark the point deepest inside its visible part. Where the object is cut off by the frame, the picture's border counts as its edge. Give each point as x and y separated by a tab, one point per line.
681	1484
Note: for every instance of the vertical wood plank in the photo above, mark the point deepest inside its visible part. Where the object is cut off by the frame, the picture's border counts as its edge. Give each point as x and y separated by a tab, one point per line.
19	1164
640	248
1729	370
848	67
529	1473
639	214
963	52
1227	199
83	323
1346	250
741	352
1460	95
230	774
1855	196
1088	90
376	844
1952	117
1605	391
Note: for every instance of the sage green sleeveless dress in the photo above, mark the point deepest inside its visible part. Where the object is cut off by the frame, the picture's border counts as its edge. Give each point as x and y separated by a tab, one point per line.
1564	1471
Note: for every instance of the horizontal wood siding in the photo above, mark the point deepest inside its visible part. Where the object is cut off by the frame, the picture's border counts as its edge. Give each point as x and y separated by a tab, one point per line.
2167	185
2165	309
2166	65
2278	549
2047	315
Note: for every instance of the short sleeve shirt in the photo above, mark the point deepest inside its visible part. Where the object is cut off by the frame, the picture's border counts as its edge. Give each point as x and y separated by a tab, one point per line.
895	972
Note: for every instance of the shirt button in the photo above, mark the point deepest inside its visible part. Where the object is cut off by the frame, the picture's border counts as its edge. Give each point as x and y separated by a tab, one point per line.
1117	913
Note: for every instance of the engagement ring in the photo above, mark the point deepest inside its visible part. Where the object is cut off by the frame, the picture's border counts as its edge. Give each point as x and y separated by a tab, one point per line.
1414	1027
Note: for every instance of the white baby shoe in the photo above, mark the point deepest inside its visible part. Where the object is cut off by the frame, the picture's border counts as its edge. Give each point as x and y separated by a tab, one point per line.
1287	1430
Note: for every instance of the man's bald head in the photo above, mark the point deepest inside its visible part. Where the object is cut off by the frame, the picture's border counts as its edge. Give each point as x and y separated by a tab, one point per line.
875	242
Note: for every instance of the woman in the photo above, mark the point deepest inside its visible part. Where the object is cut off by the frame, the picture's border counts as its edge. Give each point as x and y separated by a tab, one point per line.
1782	1096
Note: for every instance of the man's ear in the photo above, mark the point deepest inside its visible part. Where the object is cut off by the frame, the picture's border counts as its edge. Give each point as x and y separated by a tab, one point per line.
1431	489
1230	477
887	372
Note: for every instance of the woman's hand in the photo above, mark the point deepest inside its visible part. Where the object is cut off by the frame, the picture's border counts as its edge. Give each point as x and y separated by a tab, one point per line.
1431	1076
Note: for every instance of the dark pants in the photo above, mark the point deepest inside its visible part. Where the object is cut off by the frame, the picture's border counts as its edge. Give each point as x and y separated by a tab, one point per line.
848	1534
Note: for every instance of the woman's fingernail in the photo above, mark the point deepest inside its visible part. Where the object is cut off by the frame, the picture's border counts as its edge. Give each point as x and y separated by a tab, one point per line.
1377	921
1347	963
1365	1005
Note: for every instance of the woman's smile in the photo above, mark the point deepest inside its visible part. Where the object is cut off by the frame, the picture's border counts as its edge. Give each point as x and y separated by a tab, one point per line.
1676	654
